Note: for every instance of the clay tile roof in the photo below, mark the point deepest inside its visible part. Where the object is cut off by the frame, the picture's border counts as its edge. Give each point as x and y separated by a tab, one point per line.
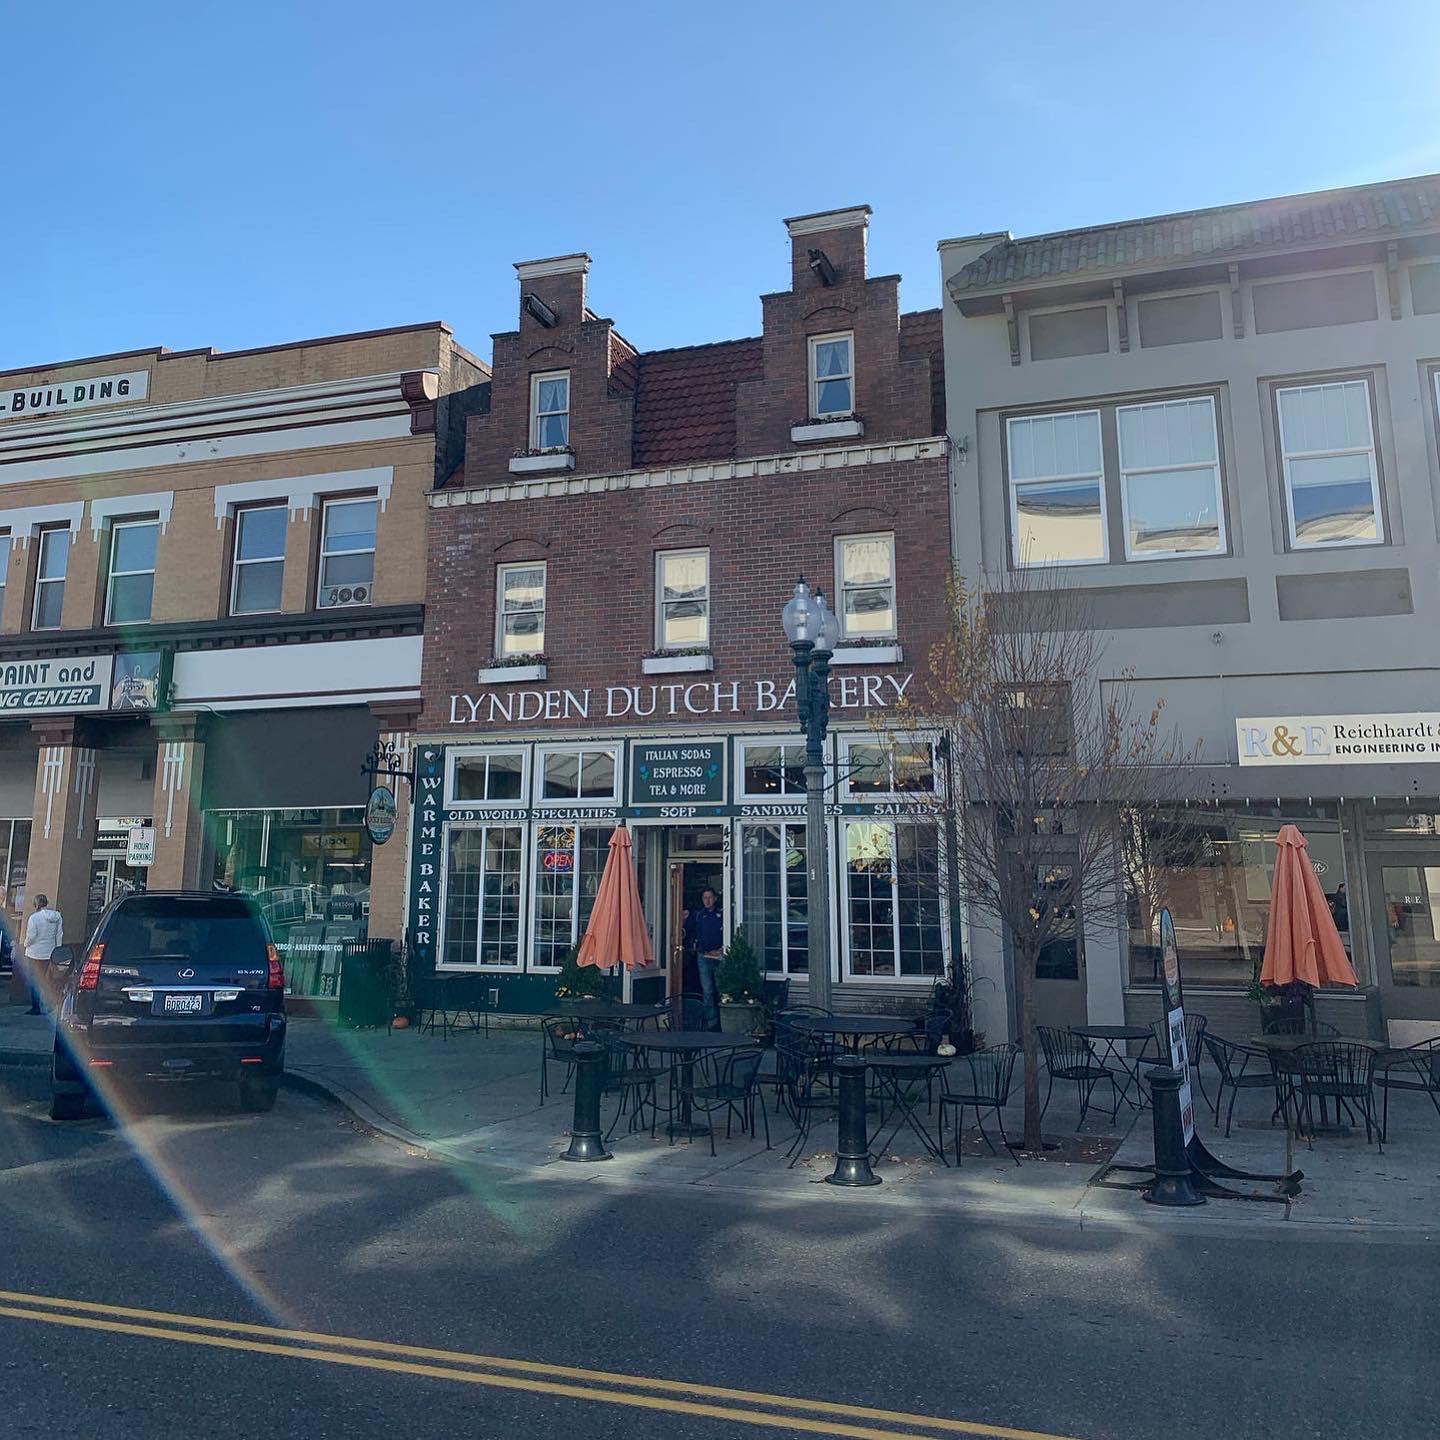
685	401
1224	233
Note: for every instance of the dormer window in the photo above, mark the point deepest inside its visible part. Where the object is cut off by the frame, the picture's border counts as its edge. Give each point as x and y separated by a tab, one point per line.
832	376
550	410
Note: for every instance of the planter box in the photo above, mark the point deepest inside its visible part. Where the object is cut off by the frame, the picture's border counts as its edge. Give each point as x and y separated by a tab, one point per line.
540	464
827	430
510	674
676	664
867	655
739	1019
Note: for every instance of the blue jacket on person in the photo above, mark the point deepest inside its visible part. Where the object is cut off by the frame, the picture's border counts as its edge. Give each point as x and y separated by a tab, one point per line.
705	929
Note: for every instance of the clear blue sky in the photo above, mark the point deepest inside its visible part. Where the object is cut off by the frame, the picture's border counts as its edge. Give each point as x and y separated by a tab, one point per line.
238	175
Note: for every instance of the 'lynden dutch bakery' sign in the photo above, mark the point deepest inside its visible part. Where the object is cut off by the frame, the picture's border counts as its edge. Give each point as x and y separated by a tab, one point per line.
75	394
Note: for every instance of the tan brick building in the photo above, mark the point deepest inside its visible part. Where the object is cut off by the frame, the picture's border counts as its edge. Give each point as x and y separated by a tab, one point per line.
606	573
213	574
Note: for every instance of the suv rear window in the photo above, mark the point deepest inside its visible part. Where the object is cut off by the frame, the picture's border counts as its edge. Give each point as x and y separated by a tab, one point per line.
225	930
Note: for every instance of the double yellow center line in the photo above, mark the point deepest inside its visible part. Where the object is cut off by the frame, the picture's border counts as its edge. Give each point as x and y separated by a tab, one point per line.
715	1402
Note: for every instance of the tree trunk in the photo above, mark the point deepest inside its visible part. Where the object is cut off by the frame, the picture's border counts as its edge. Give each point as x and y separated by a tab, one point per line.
1030	1049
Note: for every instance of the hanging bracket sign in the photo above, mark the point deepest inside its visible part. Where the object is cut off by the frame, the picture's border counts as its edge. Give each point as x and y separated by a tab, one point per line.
380	812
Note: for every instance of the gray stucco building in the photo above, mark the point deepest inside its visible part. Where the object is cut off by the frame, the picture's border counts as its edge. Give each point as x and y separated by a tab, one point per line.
1224	423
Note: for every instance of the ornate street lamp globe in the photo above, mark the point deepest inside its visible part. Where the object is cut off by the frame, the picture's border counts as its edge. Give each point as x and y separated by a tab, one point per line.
800	617
827	629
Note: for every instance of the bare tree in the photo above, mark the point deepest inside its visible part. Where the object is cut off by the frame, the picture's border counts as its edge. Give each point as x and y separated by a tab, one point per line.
1062	776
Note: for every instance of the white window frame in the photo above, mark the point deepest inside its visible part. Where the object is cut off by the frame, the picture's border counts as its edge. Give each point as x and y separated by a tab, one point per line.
1127	471
660	557
535	416
7	541
1287	455
816	413
544	752
532	909
326	505
876	635
522	935
500	572
790	822
842	869
236	563
767	743
133	522
476	752
41	540
874	797
1012	487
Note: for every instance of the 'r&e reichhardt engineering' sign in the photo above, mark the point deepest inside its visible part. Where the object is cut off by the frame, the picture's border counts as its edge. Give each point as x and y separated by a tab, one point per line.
1339	739
75	394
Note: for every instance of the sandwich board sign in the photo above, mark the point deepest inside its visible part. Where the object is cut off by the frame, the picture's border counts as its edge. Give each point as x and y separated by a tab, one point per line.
1174	1000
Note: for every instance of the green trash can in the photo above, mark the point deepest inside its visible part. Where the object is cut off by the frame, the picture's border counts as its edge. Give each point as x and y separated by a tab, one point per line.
365	982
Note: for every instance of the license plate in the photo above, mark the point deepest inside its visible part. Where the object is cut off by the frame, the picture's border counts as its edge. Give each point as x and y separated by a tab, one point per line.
183	1005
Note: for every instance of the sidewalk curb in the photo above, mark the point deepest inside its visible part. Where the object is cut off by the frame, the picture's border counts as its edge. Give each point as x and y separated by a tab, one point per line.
369	1120
25	1059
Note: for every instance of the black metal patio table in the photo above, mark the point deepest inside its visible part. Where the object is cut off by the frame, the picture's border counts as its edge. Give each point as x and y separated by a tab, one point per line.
1111	1037
603	1010
854	1030
892	1074
684	1046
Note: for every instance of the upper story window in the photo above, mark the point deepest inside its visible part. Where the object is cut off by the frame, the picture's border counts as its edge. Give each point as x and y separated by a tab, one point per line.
520	609
865	568
832	376
489	776
550	411
1057	489
1327	452
130	586
52	560
683	598
578	775
347	552
1170	478
258	571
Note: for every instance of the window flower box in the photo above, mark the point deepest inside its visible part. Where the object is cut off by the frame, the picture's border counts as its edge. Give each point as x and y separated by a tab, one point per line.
664	664
541	462
845	427
534	668
882	653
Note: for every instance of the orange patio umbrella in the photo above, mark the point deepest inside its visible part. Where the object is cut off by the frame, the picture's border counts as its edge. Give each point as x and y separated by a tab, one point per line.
1301	941
616	934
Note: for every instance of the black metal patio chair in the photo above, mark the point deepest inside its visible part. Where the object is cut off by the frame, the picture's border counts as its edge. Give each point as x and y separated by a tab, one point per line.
805	1070
1194	1037
980	1082
558	1039
1342	1071
629	1075
1069	1056
1415	1068
1232	1062
734	1088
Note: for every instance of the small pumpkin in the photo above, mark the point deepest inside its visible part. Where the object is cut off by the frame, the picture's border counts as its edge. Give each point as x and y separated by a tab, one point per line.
401	1022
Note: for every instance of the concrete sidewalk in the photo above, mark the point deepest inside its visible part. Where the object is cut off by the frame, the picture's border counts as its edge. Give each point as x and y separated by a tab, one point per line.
474	1101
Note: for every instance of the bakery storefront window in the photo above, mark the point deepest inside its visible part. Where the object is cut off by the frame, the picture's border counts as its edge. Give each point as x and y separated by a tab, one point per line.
1213	869
309	871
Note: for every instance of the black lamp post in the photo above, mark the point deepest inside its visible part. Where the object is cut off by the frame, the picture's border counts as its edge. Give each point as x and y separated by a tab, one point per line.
812	631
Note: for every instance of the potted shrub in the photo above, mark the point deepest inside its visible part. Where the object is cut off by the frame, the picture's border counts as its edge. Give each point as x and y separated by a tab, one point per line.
582	982
742	990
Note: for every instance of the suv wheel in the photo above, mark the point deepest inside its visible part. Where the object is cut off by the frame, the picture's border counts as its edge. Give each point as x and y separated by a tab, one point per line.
65	1106
258	1095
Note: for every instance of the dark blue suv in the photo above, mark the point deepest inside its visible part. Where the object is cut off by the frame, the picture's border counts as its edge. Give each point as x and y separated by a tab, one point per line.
182	985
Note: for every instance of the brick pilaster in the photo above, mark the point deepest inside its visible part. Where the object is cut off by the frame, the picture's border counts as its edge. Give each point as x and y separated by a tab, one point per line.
179	823
62	840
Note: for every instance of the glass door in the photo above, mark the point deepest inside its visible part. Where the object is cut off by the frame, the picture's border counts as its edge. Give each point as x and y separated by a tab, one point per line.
1405	890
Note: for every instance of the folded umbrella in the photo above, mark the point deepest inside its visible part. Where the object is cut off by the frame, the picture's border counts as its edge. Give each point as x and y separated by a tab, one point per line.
616	934
1302	943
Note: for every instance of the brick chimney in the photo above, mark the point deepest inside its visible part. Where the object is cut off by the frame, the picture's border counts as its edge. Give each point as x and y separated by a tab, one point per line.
828	249
558	285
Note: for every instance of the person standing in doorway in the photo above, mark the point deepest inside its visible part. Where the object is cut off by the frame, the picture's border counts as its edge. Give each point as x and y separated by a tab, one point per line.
705	931
43	932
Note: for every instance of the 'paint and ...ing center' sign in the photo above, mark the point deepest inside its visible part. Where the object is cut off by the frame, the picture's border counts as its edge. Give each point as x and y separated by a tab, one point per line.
702	699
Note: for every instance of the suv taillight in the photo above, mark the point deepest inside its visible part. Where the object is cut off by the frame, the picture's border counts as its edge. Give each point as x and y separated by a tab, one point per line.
277	970
90	974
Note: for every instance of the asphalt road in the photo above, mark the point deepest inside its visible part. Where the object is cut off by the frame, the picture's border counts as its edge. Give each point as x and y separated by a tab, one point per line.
296	1222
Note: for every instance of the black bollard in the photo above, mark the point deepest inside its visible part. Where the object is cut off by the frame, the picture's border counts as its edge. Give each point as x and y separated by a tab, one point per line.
586	1142
852	1148
1172	1165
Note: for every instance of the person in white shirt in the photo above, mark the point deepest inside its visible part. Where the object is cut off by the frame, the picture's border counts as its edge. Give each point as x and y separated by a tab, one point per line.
43	932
